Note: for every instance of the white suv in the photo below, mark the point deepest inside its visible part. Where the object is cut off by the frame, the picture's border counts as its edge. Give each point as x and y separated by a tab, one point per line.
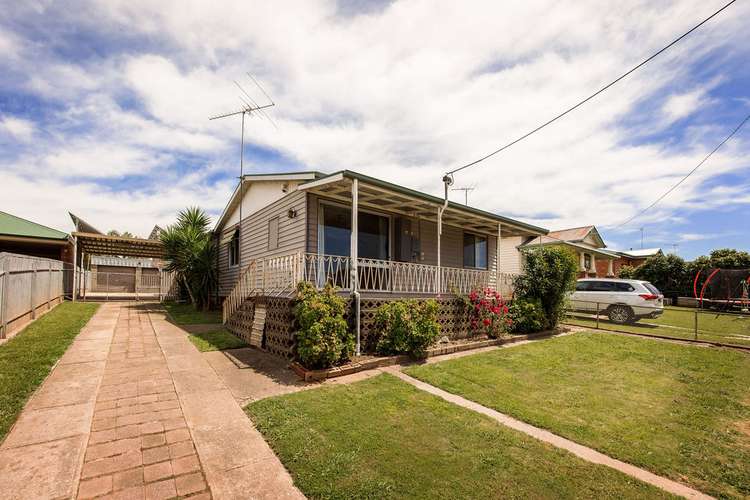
623	301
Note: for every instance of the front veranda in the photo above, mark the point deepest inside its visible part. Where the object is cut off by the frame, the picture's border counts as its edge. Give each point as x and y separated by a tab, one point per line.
377	242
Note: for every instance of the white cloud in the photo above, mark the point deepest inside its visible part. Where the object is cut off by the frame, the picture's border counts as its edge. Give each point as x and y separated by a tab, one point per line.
403	93
19	128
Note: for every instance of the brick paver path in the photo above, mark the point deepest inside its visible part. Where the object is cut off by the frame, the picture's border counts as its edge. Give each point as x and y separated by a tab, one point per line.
139	445
133	410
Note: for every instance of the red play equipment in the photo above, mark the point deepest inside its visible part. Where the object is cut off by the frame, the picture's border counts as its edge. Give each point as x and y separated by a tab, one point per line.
723	288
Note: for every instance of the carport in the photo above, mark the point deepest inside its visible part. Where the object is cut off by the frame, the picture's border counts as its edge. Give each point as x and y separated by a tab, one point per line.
110	282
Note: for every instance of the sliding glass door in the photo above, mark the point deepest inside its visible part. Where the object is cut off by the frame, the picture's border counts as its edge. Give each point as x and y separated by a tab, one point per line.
336	227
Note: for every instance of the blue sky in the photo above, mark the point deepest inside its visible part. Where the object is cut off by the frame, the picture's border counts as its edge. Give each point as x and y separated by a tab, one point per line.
104	108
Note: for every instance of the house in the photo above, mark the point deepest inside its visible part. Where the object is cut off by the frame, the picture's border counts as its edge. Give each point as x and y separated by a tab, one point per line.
594	260
373	239
635	258
21	236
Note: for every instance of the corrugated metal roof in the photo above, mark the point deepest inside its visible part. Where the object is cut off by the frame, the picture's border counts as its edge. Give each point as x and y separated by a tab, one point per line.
641	252
12	225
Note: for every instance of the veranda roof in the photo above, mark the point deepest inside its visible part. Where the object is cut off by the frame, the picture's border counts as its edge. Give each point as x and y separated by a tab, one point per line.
377	194
101	244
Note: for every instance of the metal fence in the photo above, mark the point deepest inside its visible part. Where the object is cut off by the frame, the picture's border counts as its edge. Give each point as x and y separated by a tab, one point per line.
29	287
130	284
681	323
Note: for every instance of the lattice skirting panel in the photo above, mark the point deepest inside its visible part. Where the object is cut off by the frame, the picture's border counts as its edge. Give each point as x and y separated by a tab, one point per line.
280	327
241	322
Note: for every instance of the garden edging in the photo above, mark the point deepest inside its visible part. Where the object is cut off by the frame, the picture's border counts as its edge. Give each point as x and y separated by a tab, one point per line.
338	371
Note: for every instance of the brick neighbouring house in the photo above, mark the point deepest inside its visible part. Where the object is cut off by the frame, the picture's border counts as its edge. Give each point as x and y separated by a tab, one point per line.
594	260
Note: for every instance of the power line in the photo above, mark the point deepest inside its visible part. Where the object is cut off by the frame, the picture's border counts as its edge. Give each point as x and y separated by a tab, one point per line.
736	129
581	103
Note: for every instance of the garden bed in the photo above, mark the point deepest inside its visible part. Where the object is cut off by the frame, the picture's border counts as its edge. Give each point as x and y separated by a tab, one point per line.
370	362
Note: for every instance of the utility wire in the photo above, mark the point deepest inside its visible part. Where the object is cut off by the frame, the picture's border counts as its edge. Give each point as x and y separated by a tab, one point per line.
581	103
736	129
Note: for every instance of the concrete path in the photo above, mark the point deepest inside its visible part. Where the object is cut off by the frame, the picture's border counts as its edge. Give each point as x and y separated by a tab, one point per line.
581	451
132	410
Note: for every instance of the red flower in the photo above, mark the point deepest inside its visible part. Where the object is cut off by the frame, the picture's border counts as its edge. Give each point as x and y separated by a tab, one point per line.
486	322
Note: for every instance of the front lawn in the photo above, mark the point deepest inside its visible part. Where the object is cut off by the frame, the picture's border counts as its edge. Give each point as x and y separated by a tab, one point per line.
679	322
217	340
679	411
27	358
186	314
383	438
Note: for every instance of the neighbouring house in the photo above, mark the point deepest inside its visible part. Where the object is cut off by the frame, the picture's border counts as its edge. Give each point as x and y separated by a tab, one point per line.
635	258
373	239
594	260
21	236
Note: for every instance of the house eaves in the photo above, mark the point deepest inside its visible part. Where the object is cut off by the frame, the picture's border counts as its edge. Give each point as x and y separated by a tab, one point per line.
424	196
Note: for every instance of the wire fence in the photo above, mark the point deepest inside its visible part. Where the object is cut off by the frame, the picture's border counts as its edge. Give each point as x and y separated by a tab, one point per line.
683	323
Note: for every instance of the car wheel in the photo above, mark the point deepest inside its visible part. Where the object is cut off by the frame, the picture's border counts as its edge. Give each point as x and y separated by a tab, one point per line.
620	314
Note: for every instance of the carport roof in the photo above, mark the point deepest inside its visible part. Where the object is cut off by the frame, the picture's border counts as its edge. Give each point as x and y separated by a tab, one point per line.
101	244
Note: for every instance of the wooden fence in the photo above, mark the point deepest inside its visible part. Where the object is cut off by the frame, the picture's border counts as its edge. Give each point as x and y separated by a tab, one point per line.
29	287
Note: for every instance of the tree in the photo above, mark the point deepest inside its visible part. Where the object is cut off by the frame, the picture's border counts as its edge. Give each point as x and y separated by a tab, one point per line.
665	272
191	254
124	234
729	258
549	274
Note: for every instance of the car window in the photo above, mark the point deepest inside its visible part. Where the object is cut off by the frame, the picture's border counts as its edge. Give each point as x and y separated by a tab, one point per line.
624	287
582	286
651	288
602	286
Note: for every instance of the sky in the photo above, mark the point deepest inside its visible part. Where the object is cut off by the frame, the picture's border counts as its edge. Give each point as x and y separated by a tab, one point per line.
104	108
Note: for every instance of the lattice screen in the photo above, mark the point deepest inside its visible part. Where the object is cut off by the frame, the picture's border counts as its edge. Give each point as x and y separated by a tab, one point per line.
280	326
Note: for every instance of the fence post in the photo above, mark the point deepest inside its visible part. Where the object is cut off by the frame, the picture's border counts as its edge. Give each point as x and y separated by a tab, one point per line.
3	300
32	292
696	324
597	315
49	287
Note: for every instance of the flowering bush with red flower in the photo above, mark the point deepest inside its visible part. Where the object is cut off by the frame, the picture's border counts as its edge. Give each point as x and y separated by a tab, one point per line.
489	313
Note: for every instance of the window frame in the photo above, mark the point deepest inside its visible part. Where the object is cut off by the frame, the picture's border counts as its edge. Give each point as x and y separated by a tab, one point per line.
233	249
476	237
273	245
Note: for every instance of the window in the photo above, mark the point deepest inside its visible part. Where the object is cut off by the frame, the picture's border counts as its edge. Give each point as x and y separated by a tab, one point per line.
273	233
372	240
623	287
234	248
586	261
582	286
475	251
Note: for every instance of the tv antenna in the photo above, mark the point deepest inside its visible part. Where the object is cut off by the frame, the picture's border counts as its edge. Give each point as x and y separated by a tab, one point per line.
466	193
249	107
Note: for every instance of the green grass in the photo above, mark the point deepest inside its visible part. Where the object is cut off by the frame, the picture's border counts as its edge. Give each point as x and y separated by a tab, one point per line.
185	314
27	358
680	411
217	340
383	438
680	322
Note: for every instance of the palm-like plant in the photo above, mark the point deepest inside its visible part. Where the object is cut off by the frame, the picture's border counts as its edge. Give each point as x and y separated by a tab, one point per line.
191	253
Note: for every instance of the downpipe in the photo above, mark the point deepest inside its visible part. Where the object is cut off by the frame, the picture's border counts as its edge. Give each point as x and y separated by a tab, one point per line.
447	182
356	296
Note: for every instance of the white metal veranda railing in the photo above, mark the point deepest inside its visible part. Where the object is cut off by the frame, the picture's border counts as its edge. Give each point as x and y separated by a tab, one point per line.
279	275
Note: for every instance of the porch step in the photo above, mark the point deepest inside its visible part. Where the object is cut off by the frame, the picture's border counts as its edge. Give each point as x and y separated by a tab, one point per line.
259	323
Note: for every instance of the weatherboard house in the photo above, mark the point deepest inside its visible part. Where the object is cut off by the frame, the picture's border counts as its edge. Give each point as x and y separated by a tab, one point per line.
374	240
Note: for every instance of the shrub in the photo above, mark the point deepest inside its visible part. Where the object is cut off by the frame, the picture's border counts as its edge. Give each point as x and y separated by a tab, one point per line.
549	274
489	314
527	316
407	327
627	272
323	338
